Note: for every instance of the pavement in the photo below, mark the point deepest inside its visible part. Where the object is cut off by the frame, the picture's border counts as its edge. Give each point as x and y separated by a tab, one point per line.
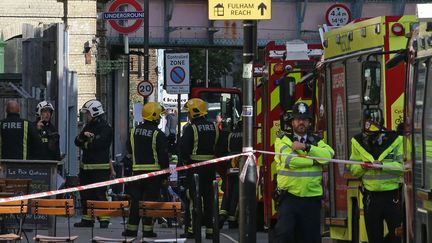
116	227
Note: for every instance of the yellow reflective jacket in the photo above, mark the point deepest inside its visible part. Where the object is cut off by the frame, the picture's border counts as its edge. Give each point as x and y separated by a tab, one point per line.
301	176
382	179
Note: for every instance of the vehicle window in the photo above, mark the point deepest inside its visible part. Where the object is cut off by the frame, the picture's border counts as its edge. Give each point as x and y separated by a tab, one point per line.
428	129
418	121
223	108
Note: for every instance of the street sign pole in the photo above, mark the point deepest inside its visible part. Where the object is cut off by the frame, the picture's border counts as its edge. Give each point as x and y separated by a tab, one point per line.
146	43
247	197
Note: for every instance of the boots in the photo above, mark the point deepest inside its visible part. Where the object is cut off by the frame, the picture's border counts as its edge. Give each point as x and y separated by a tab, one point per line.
84	223
130	233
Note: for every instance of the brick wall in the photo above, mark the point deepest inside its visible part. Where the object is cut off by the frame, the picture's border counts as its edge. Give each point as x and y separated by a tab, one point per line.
81	20
135	77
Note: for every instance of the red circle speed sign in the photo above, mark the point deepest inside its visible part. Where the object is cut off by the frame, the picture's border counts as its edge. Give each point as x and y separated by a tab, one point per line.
125	29
145	88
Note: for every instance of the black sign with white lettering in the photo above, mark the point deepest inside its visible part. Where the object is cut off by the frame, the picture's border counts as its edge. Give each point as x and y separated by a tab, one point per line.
40	174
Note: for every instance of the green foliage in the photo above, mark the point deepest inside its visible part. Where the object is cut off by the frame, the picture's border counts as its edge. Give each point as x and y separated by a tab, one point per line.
220	62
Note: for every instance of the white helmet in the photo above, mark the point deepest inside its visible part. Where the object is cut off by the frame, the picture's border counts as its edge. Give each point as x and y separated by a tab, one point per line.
44	105
94	107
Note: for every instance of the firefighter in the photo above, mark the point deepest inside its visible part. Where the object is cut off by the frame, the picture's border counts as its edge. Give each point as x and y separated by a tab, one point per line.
18	140
197	144
149	148
48	134
95	141
230	143
380	187
299	190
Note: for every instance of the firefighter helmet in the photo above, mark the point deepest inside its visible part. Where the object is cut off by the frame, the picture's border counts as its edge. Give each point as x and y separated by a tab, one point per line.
94	107
152	111
44	105
300	110
196	107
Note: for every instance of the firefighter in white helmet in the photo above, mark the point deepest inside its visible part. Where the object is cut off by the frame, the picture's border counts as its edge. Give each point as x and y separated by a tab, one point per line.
95	141
48	148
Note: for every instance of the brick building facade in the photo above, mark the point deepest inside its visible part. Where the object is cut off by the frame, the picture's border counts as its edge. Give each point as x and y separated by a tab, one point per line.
80	17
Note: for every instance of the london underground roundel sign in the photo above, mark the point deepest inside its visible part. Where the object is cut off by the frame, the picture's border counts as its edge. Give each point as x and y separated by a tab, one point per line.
113	16
338	15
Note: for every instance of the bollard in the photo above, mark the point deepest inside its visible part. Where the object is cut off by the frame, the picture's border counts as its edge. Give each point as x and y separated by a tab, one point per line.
197	210
215	212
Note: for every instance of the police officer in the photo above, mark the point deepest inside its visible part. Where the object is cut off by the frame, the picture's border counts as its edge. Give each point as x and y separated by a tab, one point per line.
95	140
380	187
299	188
196	145
230	143
149	148
48	134
17	139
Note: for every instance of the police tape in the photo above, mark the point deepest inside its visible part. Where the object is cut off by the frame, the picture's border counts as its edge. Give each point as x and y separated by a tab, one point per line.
120	180
337	161
250	161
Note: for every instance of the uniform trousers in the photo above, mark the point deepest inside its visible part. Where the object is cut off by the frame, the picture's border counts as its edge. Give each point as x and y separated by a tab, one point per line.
99	194
379	207
142	190
206	178
299	220
230	198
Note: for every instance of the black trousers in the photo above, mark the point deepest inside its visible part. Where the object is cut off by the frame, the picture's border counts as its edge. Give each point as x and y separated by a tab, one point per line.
206	178
99	194
231	197
145	190
298	220
380	207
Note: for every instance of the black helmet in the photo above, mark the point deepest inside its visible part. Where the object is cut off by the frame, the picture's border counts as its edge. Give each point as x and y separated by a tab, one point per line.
301	110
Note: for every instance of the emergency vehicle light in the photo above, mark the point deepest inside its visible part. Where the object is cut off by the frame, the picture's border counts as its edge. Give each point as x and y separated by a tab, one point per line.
279	68
398	29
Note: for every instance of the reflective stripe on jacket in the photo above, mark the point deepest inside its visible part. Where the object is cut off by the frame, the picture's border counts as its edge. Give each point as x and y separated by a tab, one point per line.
96	149
200	139
16	138
149	147
383	179
149	165
300	176
104	166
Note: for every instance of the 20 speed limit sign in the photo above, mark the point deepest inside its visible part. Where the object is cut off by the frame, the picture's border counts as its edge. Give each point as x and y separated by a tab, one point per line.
145	88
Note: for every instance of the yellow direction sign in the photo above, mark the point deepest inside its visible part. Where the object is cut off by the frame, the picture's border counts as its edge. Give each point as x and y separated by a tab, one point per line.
239	9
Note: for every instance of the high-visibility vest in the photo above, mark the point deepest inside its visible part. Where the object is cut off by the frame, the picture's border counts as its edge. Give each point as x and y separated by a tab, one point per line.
298	175
383	179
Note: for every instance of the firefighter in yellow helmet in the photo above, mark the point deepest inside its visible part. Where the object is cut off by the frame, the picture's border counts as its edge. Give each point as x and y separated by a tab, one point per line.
299	189
197	144
381	187
149	148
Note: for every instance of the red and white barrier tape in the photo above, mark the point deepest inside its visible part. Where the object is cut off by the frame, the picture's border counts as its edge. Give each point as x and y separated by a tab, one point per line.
120	180
337	161
250	161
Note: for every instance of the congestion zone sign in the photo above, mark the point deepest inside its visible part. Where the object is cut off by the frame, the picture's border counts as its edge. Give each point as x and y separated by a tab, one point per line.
113	16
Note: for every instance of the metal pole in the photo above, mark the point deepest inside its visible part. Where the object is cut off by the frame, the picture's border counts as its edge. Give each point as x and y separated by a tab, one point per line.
146	42
247	199
197	212
178	122
216	238
207	69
